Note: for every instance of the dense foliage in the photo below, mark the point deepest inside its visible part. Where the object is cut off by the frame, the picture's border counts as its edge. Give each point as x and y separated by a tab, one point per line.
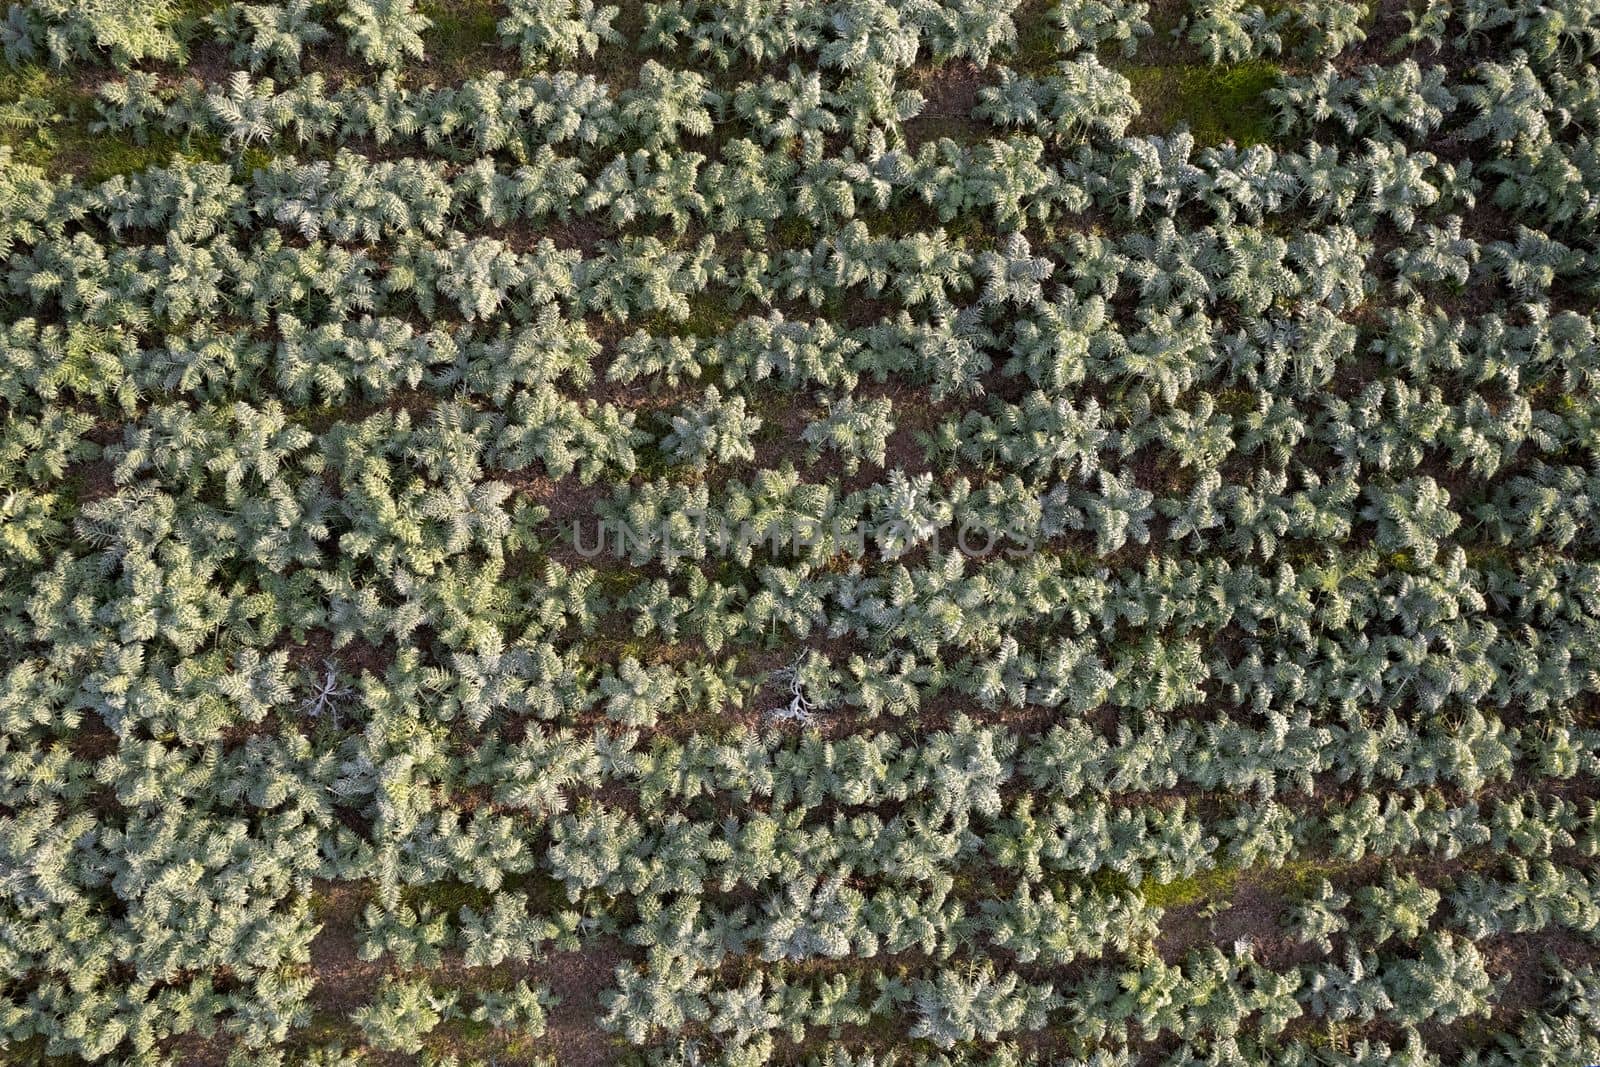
856	533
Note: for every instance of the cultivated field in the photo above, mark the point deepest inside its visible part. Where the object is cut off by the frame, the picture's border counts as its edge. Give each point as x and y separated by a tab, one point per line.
844	533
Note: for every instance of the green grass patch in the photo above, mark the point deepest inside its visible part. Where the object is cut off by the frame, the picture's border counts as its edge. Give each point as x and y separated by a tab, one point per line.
32	80
1107	880
448	897
462	31
1301	876
1218	104
792	231
95	157
1297	876
914	215
710	316
1235	401
46	121
617	581
1212	885
1038	37
34	105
